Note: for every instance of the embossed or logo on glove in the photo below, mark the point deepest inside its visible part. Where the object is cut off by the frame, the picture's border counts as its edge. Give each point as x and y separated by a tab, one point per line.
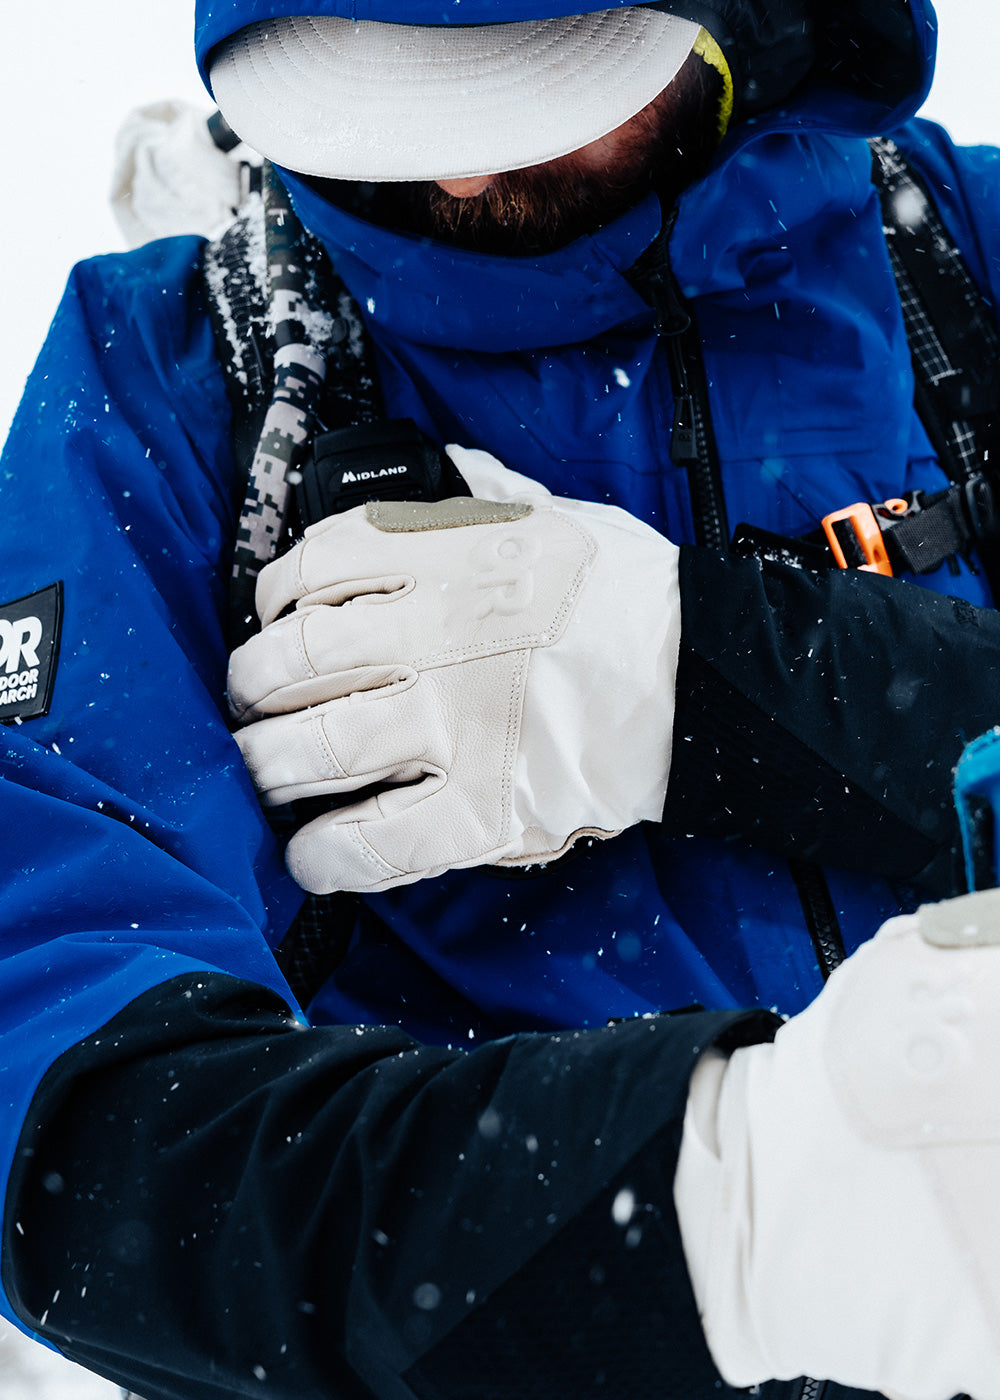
936	1029
503	574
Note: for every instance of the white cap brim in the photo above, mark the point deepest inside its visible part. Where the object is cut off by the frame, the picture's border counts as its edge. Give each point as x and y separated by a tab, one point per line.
364	100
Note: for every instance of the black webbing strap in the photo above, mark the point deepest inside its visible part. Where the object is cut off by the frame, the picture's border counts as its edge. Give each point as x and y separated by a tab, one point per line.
920	542
955	350
940	526
950	328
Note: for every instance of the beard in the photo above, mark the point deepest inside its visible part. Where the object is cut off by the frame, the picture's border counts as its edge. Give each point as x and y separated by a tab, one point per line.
529	212
544	207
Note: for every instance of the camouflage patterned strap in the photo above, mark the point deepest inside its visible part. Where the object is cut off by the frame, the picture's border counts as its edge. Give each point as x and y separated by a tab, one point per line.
295	355
295	352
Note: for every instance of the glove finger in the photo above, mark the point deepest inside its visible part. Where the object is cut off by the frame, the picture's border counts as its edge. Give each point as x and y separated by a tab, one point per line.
322	653
391	838
498	586
440	749
334	852
313	655
387	736
499	575
340	558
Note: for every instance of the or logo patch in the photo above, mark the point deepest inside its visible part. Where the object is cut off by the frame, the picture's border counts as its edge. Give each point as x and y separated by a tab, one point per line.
29	649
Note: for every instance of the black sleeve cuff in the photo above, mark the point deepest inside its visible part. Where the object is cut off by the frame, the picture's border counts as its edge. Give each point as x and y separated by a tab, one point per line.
210	1201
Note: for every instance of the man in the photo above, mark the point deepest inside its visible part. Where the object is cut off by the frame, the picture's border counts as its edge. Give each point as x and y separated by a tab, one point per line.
204	1196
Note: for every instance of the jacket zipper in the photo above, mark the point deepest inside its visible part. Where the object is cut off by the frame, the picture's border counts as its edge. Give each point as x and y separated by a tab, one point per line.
692	446
692	441
810	1389
820	914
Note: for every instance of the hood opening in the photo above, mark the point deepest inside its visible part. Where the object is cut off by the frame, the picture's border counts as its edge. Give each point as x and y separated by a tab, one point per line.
873	53
861	65
778	50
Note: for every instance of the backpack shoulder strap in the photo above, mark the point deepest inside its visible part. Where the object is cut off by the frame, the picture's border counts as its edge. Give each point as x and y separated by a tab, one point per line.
950	327
955	352
233	267
295	355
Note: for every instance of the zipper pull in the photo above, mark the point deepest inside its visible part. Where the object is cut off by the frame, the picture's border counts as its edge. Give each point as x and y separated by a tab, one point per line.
684	437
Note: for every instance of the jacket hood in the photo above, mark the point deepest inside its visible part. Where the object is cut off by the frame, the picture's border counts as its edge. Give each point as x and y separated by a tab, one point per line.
435	294
866	64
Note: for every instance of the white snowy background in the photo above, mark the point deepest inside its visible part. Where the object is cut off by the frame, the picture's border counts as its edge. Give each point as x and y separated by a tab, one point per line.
69	71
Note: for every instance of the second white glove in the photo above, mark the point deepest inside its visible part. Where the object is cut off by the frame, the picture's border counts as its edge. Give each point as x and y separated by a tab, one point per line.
471	681
836	1190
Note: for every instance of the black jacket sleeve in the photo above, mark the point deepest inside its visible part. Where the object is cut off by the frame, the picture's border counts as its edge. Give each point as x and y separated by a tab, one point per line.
821	715
210	1201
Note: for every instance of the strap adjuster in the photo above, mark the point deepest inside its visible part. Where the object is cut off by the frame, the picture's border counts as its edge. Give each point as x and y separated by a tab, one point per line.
855	530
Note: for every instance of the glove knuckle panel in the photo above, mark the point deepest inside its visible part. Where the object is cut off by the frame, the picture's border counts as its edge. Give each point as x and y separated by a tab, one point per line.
506	628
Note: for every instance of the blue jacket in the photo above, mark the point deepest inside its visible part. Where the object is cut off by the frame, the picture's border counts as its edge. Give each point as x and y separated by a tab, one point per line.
134	848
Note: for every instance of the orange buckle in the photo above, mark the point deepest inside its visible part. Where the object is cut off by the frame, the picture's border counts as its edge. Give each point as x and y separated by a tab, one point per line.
866	529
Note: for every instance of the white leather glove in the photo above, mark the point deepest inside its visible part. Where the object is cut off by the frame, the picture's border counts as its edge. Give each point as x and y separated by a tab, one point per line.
837	1190
470	681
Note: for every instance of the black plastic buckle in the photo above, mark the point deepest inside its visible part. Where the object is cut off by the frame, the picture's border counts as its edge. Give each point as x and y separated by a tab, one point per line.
896	509
391	461
979	497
